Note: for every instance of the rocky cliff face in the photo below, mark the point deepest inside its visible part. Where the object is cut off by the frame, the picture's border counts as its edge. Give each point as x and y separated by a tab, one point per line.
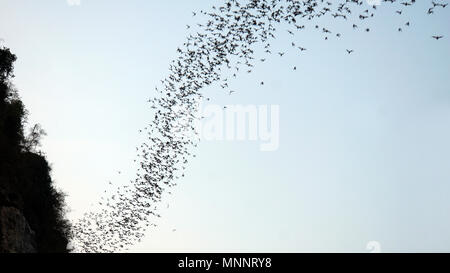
16	236
31	209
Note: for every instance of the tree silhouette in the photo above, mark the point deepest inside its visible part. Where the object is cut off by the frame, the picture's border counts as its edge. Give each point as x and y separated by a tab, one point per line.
25	181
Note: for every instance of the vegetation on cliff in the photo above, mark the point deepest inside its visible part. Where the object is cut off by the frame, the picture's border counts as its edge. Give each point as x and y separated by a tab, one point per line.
25	180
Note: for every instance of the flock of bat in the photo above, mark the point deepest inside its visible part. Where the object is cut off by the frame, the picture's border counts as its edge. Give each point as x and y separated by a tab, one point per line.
226	40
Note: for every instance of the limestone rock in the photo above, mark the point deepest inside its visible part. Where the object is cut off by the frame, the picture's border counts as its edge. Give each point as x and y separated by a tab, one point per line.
16	236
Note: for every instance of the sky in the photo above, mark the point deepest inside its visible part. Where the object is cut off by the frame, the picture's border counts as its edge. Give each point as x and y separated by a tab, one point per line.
363	138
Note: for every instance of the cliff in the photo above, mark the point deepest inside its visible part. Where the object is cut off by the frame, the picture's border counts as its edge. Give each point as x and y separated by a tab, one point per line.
16	235
31	209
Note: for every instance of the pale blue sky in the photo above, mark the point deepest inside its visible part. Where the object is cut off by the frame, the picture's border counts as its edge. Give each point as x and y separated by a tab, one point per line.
364	152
